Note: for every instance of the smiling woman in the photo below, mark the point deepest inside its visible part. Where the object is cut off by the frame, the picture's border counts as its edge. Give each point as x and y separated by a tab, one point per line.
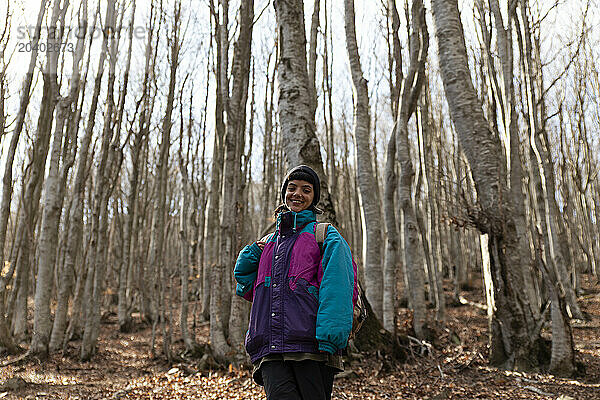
301	189
302	296
299	195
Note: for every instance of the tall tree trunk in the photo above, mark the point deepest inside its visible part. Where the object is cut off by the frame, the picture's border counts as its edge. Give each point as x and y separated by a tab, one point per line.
312	56
232	172
95	261
369	195
75	230
300	143
32	190
328	103
219	303
269	149
413	262
158	236
187	235
430	233
124	291
515	338
507	104
391	180
211	306
52	208
546	226
6	339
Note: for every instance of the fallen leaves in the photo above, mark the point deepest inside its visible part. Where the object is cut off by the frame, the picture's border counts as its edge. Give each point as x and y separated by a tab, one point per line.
455	367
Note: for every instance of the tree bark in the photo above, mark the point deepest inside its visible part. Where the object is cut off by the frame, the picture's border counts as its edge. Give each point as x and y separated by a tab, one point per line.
158	234
312	56
300	143
95	261
413	262
75	230
369	195
187	234
507	103
6	339
48	241
216	176
124	290
391	258
232	173
31	197
515	340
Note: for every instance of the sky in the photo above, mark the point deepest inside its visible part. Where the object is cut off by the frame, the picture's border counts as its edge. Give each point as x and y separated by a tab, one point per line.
559	26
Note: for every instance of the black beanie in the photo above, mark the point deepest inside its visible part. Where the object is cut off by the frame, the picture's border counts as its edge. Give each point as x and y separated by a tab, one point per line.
303	173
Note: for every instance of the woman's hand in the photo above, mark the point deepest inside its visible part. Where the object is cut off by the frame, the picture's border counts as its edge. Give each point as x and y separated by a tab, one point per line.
261	244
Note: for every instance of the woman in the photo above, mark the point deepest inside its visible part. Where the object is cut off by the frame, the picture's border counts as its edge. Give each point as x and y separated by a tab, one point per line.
302	298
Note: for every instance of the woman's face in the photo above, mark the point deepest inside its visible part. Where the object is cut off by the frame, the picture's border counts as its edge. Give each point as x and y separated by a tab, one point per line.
299	195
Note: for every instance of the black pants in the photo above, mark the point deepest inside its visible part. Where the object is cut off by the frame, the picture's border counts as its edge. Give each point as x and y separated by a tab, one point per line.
297	380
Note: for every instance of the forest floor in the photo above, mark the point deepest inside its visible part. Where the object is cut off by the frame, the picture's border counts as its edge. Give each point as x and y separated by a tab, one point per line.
455	367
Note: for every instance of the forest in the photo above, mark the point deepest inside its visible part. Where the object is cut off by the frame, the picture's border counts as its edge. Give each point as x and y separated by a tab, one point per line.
143	145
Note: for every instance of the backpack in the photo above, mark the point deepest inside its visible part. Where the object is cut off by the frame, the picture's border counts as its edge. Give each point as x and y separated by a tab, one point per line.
359	314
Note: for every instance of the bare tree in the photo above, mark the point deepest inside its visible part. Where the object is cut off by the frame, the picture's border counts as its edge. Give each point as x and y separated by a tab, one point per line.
211	307
94	261
506	101
52	208
312	55
514	332
6	340
73	238
235	108
156	259
369	195
33	184
125	299
269	148
411	88
392	244
300	143
187	233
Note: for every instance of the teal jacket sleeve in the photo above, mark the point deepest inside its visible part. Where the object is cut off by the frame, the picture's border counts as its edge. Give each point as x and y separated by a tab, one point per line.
245	271
334	317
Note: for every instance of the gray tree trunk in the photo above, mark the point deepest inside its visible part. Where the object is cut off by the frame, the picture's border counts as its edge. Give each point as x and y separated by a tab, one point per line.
211	233
268	153
187	246
369	195
95	261
544	177
296	118
232	173
312	56
32	190
219	301
124	291
413	261
430	233
48	240
392	237
158	236
507	103
75	230
391	180
328	103
6	339
514	337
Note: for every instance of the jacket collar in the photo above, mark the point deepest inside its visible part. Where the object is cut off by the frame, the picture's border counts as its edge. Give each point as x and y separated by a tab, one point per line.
293	221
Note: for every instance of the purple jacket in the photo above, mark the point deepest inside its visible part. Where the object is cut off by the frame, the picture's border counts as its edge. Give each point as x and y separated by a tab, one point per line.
301	302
